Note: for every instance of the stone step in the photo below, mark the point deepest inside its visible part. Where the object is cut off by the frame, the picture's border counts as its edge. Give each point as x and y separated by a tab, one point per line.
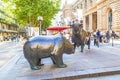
85	74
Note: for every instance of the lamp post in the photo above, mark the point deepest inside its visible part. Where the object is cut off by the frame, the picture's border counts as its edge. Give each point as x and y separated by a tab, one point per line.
40	19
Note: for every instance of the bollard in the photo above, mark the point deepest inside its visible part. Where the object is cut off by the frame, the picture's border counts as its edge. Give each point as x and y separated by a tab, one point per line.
112	41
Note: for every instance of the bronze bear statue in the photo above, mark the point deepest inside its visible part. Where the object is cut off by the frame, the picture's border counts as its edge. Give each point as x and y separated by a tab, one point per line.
52	46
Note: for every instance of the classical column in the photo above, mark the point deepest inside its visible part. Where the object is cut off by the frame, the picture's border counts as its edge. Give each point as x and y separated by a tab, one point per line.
90	22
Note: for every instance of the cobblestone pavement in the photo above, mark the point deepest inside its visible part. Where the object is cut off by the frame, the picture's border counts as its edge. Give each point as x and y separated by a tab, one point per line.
95	62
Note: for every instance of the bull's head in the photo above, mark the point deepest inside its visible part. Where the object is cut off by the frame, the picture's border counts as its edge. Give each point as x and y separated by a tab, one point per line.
76	30
68	46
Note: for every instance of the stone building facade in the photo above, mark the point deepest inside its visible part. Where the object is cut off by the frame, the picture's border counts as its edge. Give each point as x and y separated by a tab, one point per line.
101	14
7	24
6	29
67	15
77	8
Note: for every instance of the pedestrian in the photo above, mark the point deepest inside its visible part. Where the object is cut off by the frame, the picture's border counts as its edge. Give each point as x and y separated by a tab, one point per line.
67	35
108	36
113	34
98	35
96	41
104	39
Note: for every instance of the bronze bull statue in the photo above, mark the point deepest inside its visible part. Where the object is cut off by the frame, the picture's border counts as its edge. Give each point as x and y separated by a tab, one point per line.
52	46
80	37
85	39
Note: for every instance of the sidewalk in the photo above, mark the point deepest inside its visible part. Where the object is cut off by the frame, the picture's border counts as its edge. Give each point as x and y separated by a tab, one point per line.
91	63
6	42
1	43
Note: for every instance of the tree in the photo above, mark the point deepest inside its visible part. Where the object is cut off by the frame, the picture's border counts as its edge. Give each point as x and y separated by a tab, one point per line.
27	11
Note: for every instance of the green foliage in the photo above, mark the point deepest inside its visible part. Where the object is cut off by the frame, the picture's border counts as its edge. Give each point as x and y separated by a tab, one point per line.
6	13
27	11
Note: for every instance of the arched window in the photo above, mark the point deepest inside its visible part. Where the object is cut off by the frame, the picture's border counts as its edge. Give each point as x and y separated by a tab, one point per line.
110	19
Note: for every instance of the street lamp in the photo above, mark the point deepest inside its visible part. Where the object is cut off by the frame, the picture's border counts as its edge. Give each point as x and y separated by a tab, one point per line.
40	19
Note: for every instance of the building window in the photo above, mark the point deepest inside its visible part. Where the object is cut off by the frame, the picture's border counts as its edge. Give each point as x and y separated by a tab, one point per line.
78	7
81	6
91	1
85	4
110	20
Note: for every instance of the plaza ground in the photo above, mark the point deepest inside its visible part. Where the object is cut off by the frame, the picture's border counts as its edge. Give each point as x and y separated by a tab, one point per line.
89	65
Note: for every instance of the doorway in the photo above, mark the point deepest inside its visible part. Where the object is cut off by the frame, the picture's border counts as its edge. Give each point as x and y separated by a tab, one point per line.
94	21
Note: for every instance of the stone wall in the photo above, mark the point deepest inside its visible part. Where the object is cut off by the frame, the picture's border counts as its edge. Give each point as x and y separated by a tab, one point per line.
102	9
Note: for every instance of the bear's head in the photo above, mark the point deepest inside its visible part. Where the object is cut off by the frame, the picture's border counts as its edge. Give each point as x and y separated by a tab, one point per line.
68	47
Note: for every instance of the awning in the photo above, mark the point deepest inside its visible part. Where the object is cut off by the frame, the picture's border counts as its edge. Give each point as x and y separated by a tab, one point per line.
5	30
10	31
58	28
